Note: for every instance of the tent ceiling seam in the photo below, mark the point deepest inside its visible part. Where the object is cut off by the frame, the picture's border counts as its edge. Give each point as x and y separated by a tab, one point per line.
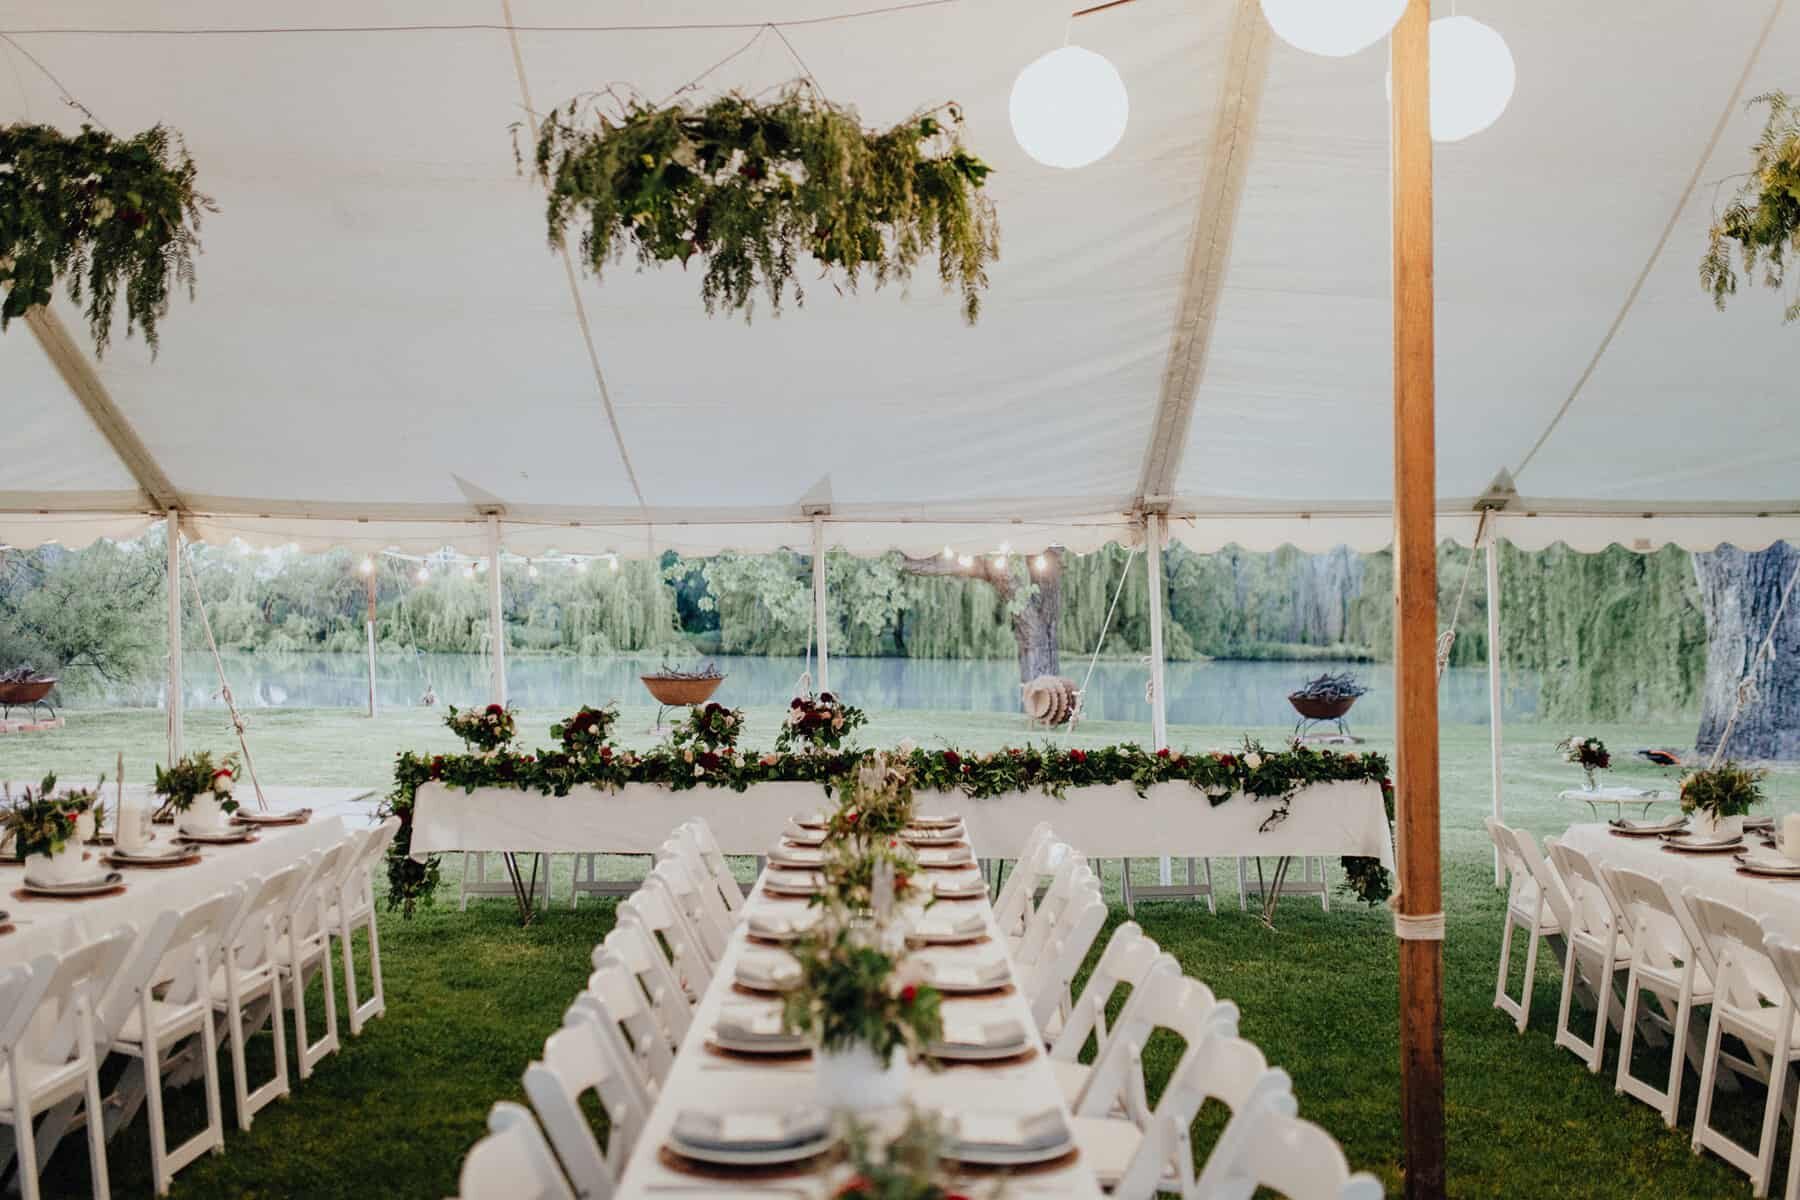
84	384
1662	242
562	249
1209	253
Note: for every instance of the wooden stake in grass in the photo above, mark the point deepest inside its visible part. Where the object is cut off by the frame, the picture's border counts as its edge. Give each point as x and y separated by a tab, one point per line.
1415	624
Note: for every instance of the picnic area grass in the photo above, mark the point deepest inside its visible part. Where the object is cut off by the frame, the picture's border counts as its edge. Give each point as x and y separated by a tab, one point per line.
471	995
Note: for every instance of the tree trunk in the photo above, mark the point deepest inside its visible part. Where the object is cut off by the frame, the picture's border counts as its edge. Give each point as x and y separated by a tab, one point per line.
1740	593
1035	625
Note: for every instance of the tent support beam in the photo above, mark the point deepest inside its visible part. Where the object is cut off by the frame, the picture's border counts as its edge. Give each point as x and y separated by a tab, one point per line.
818	573
1209	253
1418	920
173	583
496	617
84	383
1159	719
1493	635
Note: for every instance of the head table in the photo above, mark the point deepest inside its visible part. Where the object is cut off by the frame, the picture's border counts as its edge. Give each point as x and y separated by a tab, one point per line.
701	1079
41	925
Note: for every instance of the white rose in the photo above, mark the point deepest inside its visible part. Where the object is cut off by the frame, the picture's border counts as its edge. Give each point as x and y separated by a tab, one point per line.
1253	760
906	747
698	770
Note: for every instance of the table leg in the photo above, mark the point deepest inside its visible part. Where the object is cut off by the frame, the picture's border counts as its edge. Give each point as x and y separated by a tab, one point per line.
1272	895
525	895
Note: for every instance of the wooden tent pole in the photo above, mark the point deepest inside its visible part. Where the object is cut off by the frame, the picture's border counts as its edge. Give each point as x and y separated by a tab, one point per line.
1419	911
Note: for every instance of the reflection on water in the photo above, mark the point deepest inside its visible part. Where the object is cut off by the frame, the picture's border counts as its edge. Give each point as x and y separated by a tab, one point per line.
1203	693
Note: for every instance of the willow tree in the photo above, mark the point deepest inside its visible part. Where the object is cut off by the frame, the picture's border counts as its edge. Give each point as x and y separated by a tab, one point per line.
1741	593
1031	589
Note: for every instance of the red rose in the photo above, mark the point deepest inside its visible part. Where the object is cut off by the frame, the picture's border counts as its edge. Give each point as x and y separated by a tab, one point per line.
1079	756
900	882
1163	753
850	818
606	752
827	698
494	710
951	758
854	1186
908	994
1229	760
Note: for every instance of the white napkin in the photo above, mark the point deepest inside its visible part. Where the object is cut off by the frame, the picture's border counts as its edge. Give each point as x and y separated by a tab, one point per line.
991	973
765	924
948	925
749	1022
983	1034
1017	1131
774	969
944	858
796	856
750	1130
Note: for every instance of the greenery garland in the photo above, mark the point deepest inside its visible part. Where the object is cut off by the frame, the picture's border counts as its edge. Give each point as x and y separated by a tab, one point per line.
1271	776
1763	218
749	186
102	213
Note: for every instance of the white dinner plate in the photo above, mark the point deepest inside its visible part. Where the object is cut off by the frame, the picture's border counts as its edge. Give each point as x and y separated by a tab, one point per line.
942	821
793	883
298	816
80	887
787	1043
1697	845
754	1158
243	833
960	889
147	854
1771	865
921	837
977	1052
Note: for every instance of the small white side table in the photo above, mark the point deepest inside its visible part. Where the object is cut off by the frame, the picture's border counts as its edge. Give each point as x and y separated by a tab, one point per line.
1618	797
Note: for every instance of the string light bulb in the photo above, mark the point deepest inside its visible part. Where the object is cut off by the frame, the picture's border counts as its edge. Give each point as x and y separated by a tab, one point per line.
424	575
469	571
967	560
531	569
948	553
1069	108
1000	562
368	566
612	564
581	566
1040	562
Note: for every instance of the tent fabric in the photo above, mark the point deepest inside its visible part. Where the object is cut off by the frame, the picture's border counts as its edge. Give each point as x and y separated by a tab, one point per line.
384	349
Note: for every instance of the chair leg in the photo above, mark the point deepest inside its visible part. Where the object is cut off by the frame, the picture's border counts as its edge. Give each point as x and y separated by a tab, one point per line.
96	1128
377	1002
1771	1126
159	1132
1502	1001
209	1057
1212	901
297	1004
1628	1032
1565	1037
1597	1051
1684	1016
1531	957
1324	886
347	931
240	1085
1709	1071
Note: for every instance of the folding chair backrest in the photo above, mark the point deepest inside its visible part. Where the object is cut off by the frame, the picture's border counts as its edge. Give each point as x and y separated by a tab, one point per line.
1296	1158
1227	1069
1070	876
1012	907
632	945
615	993
1661	931
1164	999
67	989
1593	910
1548	882
1521	888
1049	979
1745	978
578	1059
716	865
370	848
262	918
306	910
1128	957
712	907
654	906
513	1162
186	948
684	893
1784	956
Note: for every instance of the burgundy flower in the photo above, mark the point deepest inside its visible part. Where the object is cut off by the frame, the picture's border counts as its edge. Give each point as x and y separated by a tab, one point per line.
951	758
798	703
1163	753
494	710
1079	756
908	994
709	760
827	698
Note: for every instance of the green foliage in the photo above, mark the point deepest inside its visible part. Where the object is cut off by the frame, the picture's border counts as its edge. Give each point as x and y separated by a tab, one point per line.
849	871
1762	222
709	726
750	186
196	773
912	1165
86	614
1727	790
486	729
103	214
42	822
823	723
850	995
584	734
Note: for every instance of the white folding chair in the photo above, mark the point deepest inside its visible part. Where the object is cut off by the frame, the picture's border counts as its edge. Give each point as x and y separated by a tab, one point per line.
654	909
48	1050
711	911
581	1058
154	1025
1751	1003
1012	907
1165	1000
249	977
1599	949
1784	955
612	994
632	945
304	948
1125	962
1296	1158
513	1162
1071	874
1533	899
1229	1070
1048	981
684	895
716	865
1665	963
354	908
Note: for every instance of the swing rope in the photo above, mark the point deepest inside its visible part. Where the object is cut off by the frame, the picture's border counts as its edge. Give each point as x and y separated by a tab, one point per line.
1100	643
1447	638
1747	690
238	721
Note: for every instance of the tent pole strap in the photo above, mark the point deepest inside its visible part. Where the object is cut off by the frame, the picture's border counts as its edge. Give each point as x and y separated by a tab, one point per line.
173	698
818	569
1493	634
1419	902
496	616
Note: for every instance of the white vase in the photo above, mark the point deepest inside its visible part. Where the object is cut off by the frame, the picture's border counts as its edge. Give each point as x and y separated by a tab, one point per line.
852	1079
203	815
65	866
85	826
1708	825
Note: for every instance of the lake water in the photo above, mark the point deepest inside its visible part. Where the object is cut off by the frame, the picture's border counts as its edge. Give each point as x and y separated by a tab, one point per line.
1200	693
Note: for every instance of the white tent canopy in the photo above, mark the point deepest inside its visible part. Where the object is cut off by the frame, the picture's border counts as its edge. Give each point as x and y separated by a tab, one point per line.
383	348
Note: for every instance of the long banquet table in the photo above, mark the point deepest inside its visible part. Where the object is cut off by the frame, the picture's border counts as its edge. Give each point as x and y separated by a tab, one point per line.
44	925
1712	875
703	1079
1110	821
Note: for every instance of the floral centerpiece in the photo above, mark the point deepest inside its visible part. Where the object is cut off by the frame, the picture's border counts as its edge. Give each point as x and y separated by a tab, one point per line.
43	828
913	1165
850	868
1588	753
89	807
875	801
867	1015
200	791
584	734
1720	797
709	726
485	729
818	724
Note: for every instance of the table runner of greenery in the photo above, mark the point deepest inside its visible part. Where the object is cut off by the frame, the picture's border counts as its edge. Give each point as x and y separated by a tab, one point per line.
1270	776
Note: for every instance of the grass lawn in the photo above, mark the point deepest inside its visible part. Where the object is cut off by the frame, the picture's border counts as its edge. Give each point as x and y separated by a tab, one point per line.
471	996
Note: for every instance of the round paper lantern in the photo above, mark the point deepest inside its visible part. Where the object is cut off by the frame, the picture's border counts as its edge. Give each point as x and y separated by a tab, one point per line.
1333	28
1472	77
1069	108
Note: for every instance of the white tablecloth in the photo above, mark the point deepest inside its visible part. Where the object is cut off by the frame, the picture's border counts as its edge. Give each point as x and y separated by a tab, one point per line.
46	925
1712	875
1102	822
701	1079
